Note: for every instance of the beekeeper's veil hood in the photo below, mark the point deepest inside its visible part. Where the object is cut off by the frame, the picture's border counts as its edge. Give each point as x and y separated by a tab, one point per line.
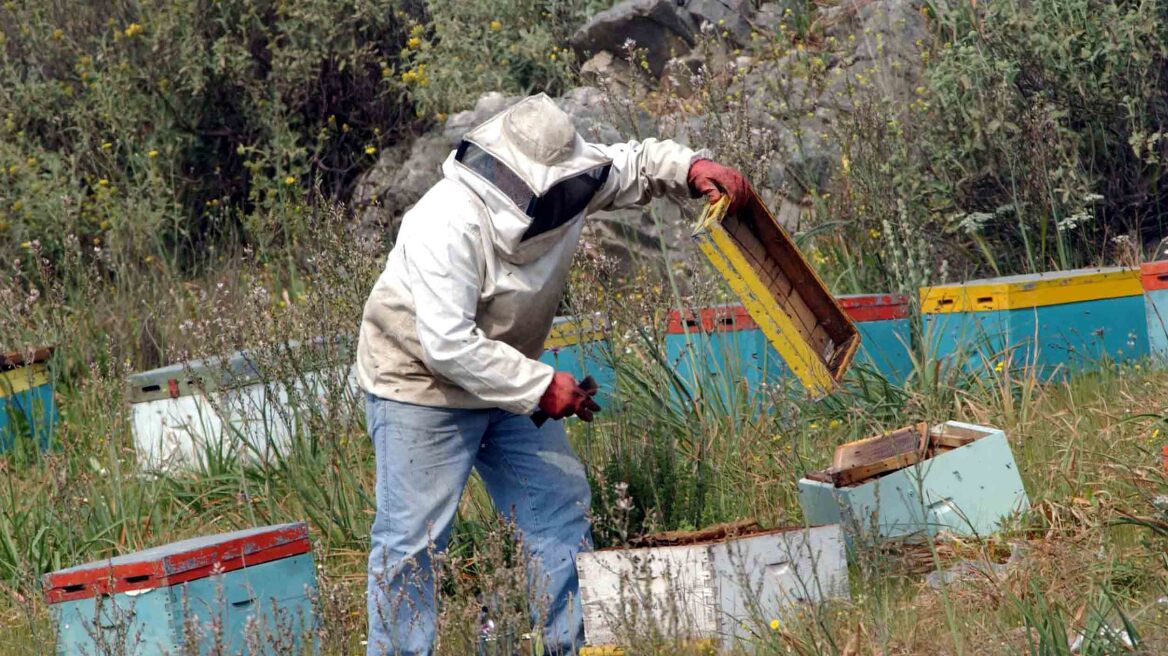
533	171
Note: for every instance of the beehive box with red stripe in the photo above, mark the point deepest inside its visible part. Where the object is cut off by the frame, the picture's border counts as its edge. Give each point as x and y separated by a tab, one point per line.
1154	279
229	590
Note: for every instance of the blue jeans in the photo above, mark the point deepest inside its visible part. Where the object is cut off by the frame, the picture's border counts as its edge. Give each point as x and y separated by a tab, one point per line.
424	457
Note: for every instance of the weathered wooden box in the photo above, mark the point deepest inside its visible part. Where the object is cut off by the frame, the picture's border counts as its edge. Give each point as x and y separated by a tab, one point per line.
242	406
1054	322
1154	280
255	586
885	332
713	589
783	294
969	487
27	405
579	345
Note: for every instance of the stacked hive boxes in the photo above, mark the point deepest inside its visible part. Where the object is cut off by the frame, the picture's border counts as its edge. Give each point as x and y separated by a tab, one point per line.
579	346
1055	322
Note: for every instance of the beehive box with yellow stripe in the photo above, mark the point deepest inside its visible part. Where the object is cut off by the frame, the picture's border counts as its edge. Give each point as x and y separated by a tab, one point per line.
1056	321
28	408
783	294
578	345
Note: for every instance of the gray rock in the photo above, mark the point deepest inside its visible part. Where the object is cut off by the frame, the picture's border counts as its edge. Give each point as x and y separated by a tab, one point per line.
729	18
655	26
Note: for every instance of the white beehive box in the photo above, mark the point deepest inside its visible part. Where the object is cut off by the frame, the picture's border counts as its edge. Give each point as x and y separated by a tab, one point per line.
707	590
185	413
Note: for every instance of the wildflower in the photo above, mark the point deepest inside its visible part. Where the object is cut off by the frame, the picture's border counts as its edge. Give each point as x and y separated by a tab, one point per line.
289	180
774	625
25	245
104	225
873	233
417	30
12	169
834	423
845	164
413	42
495	26
133	30
152	154
31	161
149	259
814	425
106	146
1000	365
552	56
103	182
369	150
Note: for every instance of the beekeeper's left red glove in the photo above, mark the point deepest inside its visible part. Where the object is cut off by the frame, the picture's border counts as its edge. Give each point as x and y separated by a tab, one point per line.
712	179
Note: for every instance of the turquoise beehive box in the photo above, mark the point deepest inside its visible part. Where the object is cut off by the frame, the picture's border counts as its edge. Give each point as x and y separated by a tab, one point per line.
969	490
579	346
1056	322
885	333
251	588
722	348
1154	279
28	408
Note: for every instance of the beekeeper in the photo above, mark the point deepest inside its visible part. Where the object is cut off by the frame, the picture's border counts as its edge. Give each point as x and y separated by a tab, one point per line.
448	348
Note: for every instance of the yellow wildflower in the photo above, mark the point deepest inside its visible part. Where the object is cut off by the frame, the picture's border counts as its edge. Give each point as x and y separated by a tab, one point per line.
873	233
132	30
289	180
149	259
552	56
106	146
413	42
774	625
152	154
104	225
58	33
25	244
845	164
495	26
369	150
834	423
103	182
31	161
417	30
1000	365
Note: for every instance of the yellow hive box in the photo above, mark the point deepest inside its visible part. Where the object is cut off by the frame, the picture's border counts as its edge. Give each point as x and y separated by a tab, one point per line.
780	290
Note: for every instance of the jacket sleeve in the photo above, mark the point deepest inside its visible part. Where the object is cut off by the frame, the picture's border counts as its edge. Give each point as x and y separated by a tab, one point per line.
642	171
445	268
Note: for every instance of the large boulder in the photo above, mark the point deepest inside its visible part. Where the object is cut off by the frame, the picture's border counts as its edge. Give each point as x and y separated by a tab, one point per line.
654	26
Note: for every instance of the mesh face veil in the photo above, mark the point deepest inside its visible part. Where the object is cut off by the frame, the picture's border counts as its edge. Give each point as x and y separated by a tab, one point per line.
563	201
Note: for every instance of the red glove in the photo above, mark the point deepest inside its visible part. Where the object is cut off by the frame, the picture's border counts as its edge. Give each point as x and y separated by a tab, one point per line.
712	179
564	397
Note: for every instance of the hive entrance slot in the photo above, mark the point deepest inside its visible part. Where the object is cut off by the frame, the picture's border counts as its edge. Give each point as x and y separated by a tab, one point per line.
137	579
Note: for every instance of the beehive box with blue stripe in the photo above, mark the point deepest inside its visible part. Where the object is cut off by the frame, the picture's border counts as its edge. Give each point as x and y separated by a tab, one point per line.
885	333
781	291
29	409
1054	322
918	480
580	346
233	590
1154	279
723	348
246	405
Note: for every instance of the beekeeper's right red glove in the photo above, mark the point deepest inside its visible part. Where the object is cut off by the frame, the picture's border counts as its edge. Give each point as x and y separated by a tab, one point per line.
711	179
564	397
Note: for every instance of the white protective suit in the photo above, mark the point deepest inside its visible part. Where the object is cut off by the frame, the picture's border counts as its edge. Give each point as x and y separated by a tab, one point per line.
461	312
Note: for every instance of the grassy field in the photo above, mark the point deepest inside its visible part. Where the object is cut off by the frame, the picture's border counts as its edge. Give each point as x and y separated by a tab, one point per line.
1090	553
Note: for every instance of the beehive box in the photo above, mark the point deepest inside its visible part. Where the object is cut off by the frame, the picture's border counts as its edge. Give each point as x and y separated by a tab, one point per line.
721	348
780	290
1154	280
28	407
147	602
578	345
233	406
707	588
1059	321
885	332
954	476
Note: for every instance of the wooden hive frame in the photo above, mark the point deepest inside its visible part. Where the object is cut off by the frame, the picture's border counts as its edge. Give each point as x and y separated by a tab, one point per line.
780	290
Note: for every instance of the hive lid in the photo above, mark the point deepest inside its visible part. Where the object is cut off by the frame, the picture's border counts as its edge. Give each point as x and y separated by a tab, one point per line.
178	562
18	359
713	319
1154	275
1032	290
238	369
874	307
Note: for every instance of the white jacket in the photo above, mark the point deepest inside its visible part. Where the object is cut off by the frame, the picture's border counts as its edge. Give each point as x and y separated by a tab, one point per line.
460	314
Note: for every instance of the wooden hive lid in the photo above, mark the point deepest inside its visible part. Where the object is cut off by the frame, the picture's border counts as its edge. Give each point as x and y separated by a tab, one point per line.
178	562
19	359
